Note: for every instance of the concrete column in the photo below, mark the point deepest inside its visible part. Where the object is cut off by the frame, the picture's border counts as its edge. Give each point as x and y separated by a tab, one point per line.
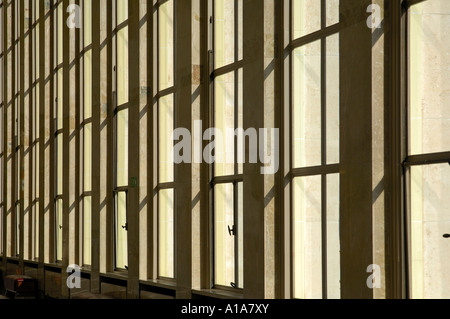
133	149
356	149
183	173
259	109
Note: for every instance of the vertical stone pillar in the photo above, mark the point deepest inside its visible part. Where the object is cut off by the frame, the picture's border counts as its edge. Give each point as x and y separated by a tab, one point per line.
183	174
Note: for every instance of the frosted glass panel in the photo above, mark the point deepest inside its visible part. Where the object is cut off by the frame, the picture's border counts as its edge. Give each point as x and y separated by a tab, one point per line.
224	117
307	238
333	238
429	76
166	122
122	148
224	35
166	45
224	243
306	17
58	226
87	157
121	249
332	97
122	66
307	112
332	12
87	202
430	220
166	234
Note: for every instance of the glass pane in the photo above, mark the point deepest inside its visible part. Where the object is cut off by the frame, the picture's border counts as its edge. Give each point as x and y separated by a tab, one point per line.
306	17
122	66
224	32
166	234
224	109
307	105
59	163
224	243
36	230
121	232
333	238
430	220
87	22
307	235
87	157
59	225
17	223
122	148
429	77
166	45
122	11
332	12
87	84
87	230
166	122
332	107
240	236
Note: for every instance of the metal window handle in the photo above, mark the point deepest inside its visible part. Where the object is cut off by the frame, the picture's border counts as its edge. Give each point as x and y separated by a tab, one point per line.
446	236
60	227
232	231
232	284
125	226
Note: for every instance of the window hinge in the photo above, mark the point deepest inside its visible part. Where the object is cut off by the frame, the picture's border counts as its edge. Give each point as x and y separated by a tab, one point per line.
125	226
232	231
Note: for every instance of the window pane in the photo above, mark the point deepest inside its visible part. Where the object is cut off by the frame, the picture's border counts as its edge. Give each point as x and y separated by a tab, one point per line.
430	220
307	238
59	164
122	148
224	117
333	238
120	231
429	77
122	66
224	244
166	44
87	84
122	11
59	225
166	234
224	32
240	235
166	122
87	168
36	230
332	12
332	107
87	230
307	105
17	224
306	17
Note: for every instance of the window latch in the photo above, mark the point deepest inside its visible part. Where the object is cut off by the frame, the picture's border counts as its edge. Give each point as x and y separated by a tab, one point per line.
125	226
232	284
232	231
446	236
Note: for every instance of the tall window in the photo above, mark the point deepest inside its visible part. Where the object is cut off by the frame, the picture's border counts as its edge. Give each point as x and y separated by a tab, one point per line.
2	108
314	98
227	108
35	113
86	132
121	134
58	111
16	119
165	122
427	164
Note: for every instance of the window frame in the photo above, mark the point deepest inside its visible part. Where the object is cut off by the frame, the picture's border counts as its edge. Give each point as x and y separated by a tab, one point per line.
324	169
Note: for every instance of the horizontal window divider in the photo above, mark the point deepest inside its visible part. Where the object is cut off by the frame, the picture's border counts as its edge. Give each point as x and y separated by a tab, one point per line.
218	293
121	189
59	197
86	194
315	170
86	121
408	3
121	108
315	36
227	179
121	26
58	132
227	69
86	49
427	159
168	185
165	92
